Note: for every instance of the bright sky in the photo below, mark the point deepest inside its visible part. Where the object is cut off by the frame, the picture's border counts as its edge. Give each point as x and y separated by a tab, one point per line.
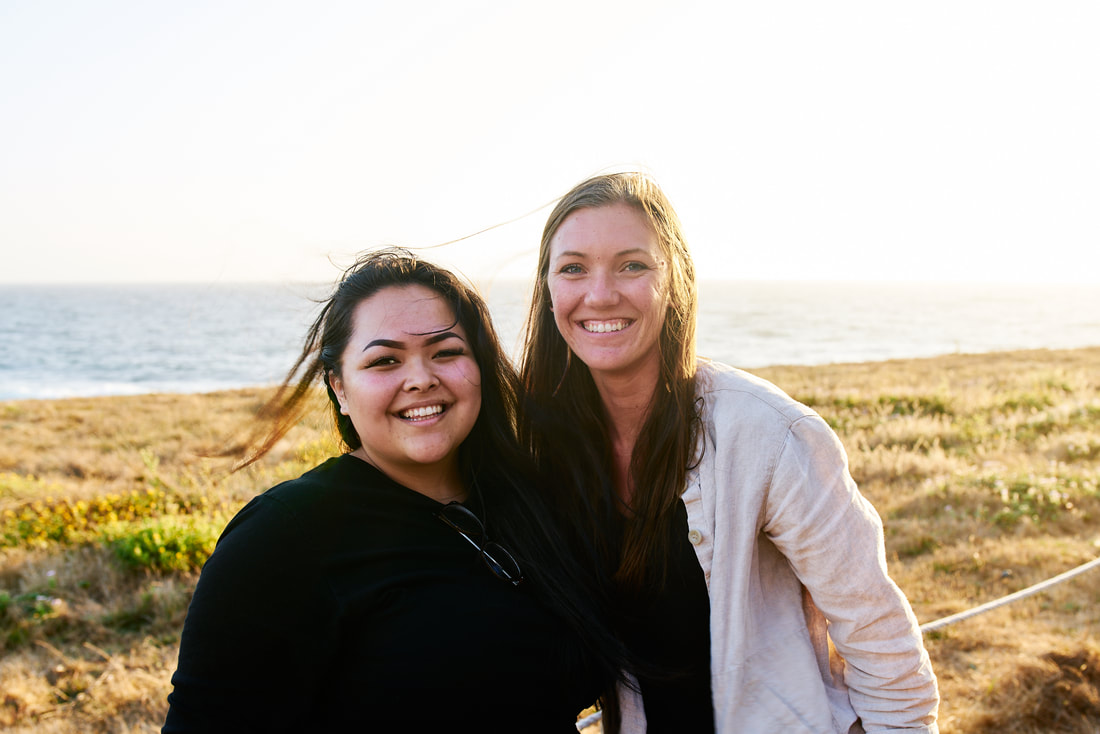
849	140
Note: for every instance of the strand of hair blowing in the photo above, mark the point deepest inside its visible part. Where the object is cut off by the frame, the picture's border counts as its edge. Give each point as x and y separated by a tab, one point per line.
285	408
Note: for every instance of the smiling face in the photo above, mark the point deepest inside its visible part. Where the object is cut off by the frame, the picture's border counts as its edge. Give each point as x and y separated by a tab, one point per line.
410	385
608	288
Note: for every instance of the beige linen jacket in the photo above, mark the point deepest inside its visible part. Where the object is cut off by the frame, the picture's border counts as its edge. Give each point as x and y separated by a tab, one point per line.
794	560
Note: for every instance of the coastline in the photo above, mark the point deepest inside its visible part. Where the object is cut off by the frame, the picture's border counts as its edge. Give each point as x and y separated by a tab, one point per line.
135	391
63	341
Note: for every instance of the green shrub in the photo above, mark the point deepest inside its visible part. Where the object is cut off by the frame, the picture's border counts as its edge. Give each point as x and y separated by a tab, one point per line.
164	544
63	520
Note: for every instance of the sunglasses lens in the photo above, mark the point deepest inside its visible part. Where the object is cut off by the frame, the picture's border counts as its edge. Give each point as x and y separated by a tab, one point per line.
501	562
496	557
463	521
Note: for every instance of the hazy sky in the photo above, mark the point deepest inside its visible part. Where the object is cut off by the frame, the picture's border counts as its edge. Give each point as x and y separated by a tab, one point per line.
872	140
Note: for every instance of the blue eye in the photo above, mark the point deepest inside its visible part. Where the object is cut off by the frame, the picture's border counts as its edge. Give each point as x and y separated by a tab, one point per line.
635	266
573	269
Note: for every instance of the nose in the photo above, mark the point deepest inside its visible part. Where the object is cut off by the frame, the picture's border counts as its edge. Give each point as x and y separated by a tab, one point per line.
602	290
420	375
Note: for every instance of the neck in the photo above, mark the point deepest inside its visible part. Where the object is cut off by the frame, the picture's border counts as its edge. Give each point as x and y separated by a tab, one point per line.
626	403
627	398
440	482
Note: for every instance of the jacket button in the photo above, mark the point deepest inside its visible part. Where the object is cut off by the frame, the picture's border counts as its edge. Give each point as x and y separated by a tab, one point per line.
695	537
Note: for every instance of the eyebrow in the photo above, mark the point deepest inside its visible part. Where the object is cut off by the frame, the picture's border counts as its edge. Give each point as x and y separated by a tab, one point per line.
621	253
432	339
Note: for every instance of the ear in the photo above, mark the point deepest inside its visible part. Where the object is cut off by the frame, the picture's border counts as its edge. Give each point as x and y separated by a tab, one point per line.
337	386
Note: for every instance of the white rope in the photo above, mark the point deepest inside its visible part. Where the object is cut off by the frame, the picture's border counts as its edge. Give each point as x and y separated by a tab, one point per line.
1023	593
589	720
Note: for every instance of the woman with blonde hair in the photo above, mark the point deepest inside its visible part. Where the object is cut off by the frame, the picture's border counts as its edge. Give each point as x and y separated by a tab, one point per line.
719	511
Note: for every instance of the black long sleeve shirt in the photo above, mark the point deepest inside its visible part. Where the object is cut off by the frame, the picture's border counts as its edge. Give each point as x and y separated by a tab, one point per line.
339	602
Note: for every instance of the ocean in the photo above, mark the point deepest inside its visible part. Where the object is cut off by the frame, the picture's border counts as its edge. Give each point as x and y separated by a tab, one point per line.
83	340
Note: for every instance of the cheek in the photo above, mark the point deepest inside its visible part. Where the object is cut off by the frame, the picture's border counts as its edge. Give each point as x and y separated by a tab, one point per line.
561	322
468	378
560	306
658	297
465	373
370	392
559	294
473	376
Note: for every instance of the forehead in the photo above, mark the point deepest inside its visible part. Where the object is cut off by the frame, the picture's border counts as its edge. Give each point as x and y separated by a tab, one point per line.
398	312
604	230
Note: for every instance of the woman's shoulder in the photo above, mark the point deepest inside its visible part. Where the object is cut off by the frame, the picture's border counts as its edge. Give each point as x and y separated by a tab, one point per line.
308	503
332	476
316	494
321	476
724	388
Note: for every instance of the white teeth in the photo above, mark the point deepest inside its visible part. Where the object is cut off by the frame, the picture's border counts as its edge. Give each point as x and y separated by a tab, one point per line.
603	327
417	413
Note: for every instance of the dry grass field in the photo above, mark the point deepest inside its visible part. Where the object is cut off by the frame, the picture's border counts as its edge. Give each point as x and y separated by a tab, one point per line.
985	469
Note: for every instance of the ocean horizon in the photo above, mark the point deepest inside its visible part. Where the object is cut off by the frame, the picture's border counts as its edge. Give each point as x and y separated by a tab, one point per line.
122	339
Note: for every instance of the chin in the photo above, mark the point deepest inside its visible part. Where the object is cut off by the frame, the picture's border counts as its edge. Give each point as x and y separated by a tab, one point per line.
433	456
605	362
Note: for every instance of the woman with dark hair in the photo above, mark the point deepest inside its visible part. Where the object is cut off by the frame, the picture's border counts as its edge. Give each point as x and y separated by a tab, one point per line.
719	511
415	582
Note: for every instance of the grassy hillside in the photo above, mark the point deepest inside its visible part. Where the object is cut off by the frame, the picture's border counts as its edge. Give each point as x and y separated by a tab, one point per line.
985	469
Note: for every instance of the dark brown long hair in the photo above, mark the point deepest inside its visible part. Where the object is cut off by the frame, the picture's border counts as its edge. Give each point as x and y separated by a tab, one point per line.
493	433
563	421
496	468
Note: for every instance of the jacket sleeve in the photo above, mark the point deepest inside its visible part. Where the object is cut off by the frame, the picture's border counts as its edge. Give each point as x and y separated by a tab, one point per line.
258	633
833	539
